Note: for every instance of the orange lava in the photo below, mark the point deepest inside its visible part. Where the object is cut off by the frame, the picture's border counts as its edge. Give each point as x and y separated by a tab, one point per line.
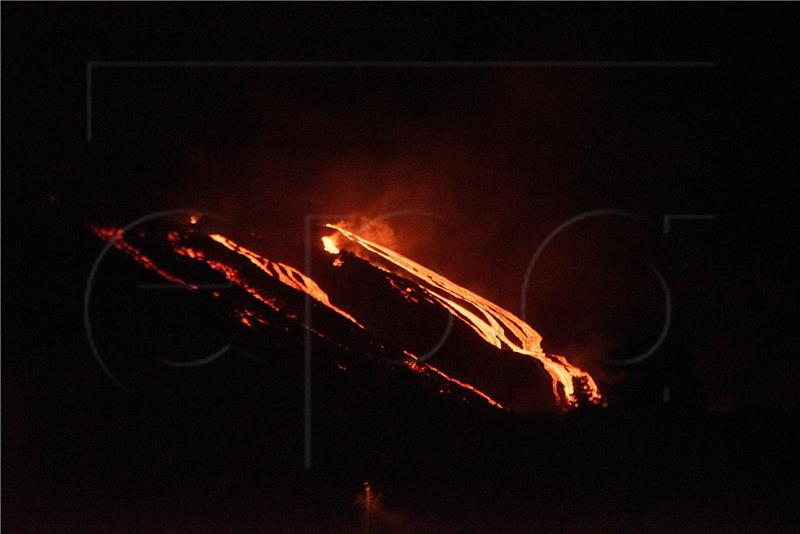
118	241
417	367
494	324
329	245
285	273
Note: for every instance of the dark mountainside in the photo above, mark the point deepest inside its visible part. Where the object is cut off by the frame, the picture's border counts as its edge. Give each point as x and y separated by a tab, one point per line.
435	456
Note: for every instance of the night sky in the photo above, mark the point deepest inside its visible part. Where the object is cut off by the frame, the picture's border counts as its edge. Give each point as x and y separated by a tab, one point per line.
429	114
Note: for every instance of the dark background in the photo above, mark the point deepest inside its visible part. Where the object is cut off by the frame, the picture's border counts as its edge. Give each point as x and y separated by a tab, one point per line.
502	155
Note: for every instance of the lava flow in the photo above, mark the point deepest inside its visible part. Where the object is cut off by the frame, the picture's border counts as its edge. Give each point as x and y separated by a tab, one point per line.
494	324
571	385
285	274
295	279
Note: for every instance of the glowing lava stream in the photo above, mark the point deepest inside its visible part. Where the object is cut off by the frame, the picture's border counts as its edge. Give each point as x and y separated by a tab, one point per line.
284	273
494	324
293	278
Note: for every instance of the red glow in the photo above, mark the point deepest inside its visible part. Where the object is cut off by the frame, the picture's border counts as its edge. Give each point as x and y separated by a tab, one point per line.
494	324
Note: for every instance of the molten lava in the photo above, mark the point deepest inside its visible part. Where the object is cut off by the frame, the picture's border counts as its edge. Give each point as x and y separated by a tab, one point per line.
417	367
285	273
114	235
329	245
494	324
